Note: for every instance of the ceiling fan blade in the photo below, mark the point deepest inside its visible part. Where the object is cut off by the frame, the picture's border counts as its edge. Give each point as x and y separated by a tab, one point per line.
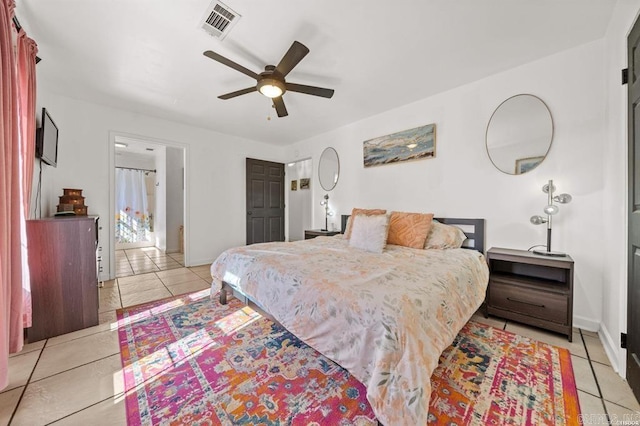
309	90
296	52
238	93
230	64
280	108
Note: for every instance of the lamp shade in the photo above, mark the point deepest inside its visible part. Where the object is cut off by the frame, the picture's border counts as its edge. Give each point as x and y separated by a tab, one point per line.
551	209
538	220
563	198
545	188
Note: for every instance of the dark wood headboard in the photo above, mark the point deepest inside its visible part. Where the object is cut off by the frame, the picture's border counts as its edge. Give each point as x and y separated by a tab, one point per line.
472	228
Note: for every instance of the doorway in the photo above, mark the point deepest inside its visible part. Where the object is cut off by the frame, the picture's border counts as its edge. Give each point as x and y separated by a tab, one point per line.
299	204
148	224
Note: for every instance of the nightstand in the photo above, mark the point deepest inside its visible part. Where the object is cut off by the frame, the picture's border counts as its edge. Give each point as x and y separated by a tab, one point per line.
312	233
532	289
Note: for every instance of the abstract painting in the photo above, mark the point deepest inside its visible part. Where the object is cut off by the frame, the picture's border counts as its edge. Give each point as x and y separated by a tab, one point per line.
304	183
412	144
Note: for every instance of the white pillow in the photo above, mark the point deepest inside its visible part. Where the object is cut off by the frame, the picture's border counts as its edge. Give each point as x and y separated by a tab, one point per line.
369	232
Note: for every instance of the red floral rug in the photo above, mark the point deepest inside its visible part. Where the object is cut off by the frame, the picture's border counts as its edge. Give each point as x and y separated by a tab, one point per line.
190	360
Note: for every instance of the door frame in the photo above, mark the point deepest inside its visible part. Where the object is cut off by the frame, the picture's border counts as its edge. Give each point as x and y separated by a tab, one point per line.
248	204
111	272
632	369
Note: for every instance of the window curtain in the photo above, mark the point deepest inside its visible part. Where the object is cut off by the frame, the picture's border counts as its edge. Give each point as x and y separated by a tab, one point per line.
10	253
17	136
26	51
132	212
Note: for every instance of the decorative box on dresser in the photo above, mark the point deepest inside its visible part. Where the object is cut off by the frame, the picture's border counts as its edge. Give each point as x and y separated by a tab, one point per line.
532	289
312	233
63	266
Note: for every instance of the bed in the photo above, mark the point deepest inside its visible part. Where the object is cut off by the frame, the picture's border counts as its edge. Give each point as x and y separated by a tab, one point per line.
385	318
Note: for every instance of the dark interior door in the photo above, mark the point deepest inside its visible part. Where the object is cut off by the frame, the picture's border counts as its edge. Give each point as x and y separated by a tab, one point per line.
633	304
265	201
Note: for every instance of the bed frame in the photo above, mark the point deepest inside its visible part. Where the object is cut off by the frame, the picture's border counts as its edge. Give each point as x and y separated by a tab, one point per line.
473	229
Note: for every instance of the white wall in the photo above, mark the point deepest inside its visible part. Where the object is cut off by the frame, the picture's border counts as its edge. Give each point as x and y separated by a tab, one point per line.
134	160
175	197
215	166
461	181
614	249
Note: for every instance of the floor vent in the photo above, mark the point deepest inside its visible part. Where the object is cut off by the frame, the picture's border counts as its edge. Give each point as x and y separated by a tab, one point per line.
219	20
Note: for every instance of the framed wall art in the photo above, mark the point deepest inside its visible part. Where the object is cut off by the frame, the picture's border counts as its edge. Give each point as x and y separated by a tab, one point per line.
408	145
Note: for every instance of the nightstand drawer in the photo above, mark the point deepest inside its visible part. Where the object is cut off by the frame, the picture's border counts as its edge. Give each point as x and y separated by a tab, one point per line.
527	301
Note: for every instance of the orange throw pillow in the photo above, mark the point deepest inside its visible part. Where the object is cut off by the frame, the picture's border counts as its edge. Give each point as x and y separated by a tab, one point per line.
409	229
364	212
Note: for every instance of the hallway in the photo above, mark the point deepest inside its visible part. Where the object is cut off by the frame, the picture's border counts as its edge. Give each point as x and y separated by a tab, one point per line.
145	260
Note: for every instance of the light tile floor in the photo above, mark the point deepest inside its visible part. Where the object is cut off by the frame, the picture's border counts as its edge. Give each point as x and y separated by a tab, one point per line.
75	379
145	260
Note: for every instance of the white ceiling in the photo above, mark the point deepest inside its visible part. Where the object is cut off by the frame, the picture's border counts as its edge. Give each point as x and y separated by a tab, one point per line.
146	55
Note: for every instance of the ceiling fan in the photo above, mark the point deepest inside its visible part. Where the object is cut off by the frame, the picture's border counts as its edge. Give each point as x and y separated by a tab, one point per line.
271	82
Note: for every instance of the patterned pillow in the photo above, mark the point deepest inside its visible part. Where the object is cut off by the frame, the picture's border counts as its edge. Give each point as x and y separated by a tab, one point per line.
355	212
369	232
409	229
444	236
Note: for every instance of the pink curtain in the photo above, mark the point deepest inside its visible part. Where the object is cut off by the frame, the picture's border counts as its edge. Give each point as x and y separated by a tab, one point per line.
26	62
10	198
27	50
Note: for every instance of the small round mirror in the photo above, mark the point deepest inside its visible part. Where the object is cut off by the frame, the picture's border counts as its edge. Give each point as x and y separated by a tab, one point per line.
328	169
519	134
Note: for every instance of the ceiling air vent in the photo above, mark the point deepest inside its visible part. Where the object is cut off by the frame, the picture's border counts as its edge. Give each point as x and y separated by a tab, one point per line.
219	20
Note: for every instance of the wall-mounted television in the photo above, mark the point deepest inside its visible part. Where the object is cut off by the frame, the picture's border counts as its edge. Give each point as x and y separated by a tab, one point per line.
47	140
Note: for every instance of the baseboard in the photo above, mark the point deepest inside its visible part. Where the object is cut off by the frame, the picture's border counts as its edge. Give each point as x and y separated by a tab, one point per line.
611	348
586	323
609	344
199	262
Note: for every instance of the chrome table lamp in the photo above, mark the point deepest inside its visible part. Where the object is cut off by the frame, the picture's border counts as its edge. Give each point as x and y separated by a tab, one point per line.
327	212
550	210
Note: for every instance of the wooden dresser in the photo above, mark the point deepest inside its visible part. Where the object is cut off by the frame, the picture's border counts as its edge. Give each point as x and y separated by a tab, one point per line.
531	289
64	276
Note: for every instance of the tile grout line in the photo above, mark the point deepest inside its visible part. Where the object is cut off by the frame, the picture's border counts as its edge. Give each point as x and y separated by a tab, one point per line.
26	385
70	369
119	394
165	286
595	377
128	262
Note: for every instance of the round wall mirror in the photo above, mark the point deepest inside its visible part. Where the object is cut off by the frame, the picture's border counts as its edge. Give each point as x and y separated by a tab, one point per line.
329	169
519	134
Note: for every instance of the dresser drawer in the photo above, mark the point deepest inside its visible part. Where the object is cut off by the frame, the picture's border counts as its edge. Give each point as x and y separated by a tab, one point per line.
539	304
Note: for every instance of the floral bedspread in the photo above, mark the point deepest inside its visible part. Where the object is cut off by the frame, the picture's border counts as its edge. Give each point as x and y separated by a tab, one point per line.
385	318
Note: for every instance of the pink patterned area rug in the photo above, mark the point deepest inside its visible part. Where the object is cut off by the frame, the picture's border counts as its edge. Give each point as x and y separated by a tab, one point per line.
190	360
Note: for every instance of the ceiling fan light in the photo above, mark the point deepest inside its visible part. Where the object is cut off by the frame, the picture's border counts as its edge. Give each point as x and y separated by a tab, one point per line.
270	87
